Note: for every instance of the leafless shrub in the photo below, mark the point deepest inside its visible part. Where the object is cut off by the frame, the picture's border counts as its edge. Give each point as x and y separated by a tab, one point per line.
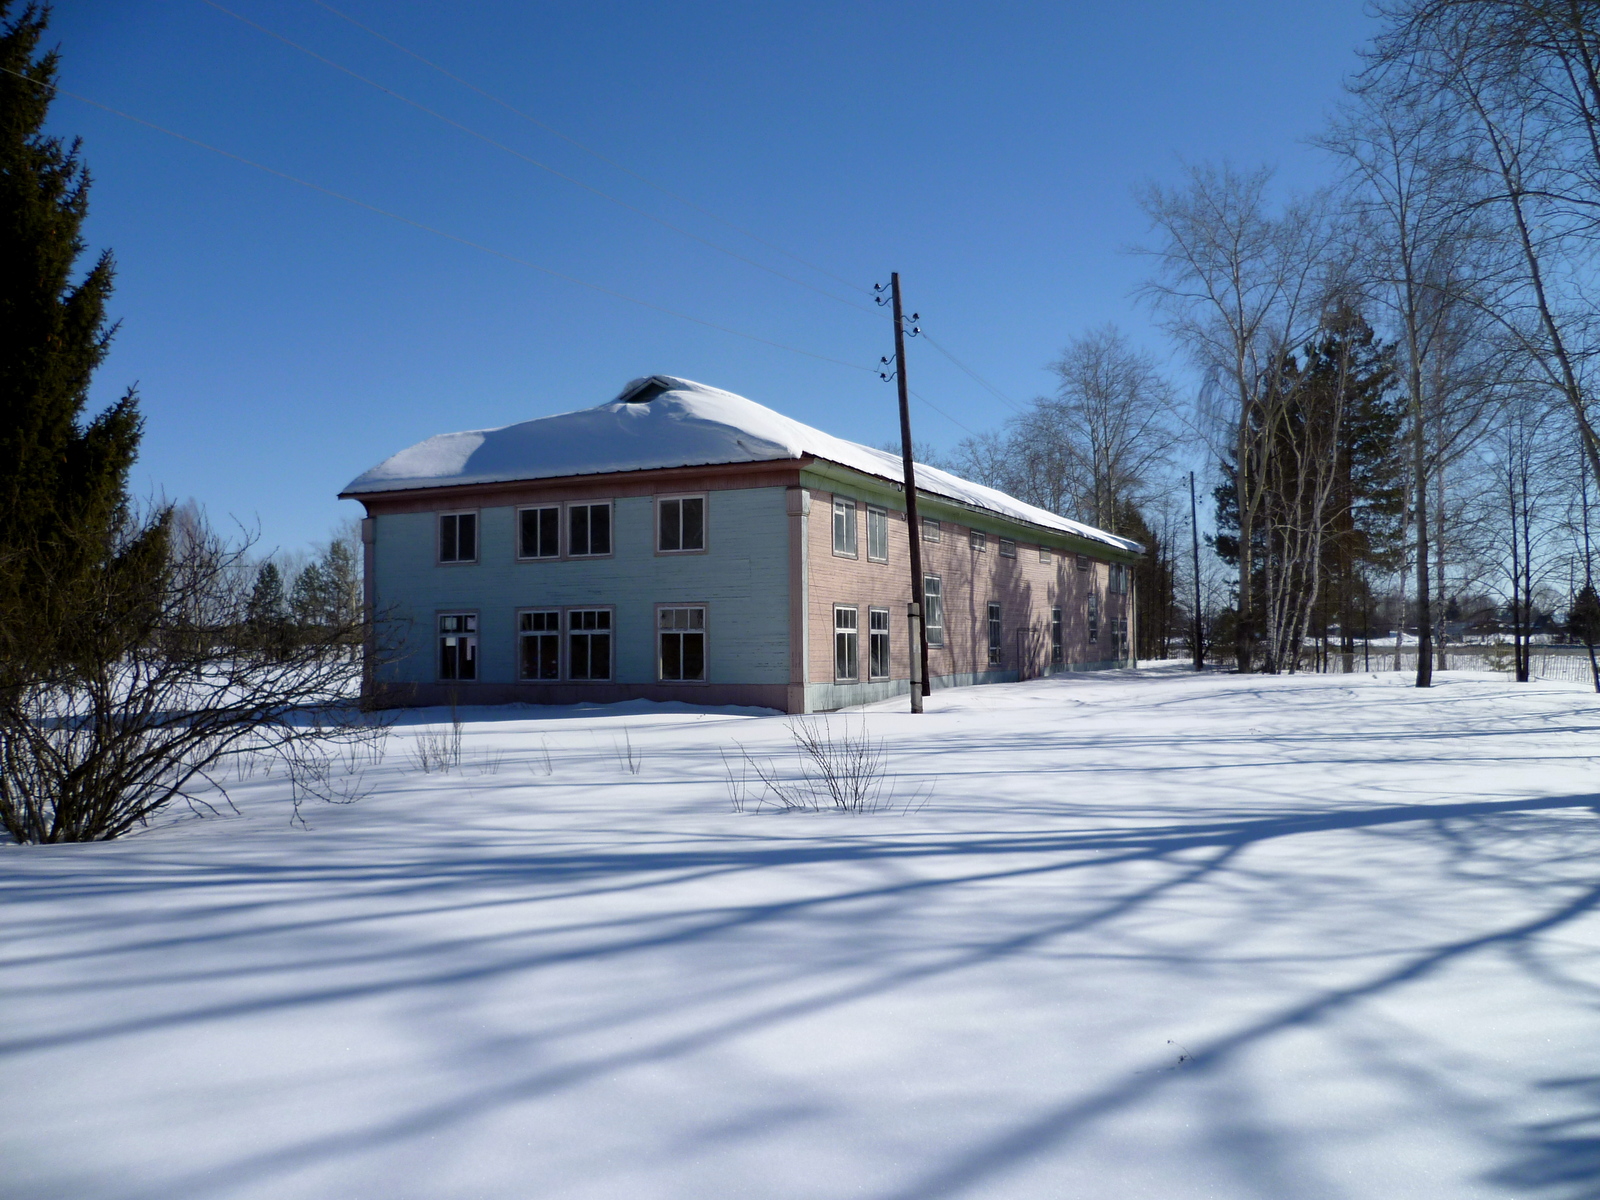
629	759
437	751
488	762
540	764
841	769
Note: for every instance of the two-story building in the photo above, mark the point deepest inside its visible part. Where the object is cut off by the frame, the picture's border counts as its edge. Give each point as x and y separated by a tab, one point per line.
684	543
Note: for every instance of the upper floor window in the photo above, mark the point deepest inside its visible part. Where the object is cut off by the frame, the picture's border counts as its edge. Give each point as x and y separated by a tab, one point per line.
877	534
1083	562
1008	548
1044	554
589	529
1119	580
539	532
844	527
458	537
458	645
930	529
979	540
681	524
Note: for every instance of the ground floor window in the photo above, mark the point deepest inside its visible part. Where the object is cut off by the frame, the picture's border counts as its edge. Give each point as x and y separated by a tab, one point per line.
539	644
1094	616
458	646
933	609
1119	636
589	643
994	635
682	645
1056	652
878	642
846	642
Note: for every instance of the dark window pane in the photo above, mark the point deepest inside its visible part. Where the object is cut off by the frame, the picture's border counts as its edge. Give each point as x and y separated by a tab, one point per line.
467	537
549	532
447	539
694	524
600	656
600	529
671	656
579	654
528	533
549	657
671	534
694	656
578	538
447	658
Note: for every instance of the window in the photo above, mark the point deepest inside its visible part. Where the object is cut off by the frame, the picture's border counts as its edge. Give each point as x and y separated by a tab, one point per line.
458	537
1119	580
1056	653
1008	548
539	645
979	540
1044	554
681	524
994	635
930	529
933	609
683	643
589	643
877	534
844	527
878	643
458	646
1119	637
1083	562
845	641
539	532
1094	617
589	529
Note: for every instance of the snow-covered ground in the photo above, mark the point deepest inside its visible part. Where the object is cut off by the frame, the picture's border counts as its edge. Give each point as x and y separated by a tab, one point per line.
1151	935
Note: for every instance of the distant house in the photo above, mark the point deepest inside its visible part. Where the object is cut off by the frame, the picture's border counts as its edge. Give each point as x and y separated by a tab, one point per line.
684	543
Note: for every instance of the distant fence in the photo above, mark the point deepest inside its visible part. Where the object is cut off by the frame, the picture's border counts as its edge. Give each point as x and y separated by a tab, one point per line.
1557	666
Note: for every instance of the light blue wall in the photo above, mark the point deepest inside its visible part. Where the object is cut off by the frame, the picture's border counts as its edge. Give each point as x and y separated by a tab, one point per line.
743	579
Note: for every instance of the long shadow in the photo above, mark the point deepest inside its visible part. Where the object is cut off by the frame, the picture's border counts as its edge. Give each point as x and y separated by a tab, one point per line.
1562	1157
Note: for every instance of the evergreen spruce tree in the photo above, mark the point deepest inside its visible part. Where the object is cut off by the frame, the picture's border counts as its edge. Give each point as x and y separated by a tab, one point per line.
63	476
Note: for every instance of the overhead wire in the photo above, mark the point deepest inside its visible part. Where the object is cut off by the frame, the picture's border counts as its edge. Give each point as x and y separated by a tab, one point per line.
415	224
515	153
611	162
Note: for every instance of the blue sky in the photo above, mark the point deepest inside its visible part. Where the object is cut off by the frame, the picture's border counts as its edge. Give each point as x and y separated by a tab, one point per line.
283	341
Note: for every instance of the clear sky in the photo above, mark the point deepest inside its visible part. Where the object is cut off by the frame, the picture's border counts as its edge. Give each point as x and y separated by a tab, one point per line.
284	340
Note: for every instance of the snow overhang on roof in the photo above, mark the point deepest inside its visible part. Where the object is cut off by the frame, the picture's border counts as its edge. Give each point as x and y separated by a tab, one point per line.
662	421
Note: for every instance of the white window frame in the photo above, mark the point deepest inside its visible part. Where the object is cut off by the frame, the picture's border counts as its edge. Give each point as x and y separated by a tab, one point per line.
933	609
611	528
524	635
845	543
930	529
705	521
610	630
1044	554
467	633
661	634
879	645
1058	650
1119	580
1008	548
1094	617
995	624
978	540
438	537
877	524
522	556
846	643
1083	562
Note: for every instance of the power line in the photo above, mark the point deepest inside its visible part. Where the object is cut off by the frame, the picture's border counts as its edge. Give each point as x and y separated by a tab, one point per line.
485	138
404	220
996	392
586	149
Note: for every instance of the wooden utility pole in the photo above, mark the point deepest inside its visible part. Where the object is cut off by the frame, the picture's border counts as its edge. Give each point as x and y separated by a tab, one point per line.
1194	537
919	633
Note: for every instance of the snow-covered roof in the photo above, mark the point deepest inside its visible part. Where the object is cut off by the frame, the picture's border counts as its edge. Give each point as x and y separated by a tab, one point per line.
662	421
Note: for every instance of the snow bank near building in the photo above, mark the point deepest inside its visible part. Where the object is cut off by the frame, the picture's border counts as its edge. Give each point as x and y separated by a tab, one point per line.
680	424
